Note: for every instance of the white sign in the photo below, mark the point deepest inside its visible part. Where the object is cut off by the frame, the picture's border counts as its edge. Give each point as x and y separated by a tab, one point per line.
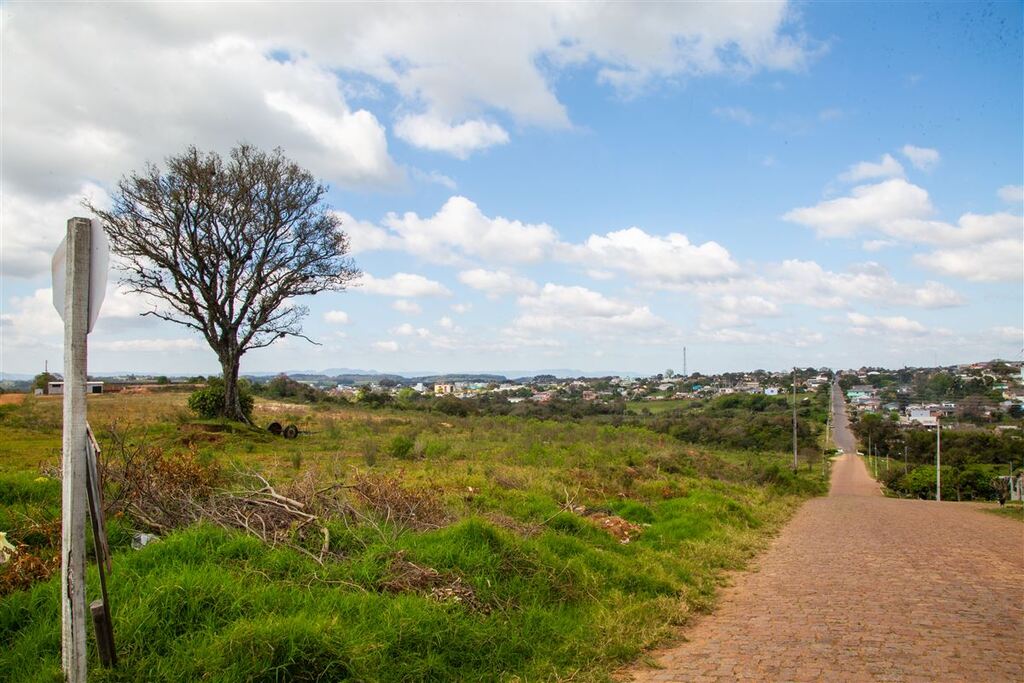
99	262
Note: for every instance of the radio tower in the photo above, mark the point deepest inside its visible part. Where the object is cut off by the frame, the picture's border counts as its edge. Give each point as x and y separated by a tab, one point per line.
685	373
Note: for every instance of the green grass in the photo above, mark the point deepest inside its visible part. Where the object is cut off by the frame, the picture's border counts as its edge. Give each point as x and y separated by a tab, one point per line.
554	596
1012	510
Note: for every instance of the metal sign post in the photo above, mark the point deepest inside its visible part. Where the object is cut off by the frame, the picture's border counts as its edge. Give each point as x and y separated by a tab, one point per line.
79	269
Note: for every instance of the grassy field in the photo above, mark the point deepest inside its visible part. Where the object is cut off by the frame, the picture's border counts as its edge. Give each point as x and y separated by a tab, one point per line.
539	550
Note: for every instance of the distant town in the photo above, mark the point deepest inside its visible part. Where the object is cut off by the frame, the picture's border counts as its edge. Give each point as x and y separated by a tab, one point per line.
973	393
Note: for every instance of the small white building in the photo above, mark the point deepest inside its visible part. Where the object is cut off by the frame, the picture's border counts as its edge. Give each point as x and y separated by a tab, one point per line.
57	388
923	416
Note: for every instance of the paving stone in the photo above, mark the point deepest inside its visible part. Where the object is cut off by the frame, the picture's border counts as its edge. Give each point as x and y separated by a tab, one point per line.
859	587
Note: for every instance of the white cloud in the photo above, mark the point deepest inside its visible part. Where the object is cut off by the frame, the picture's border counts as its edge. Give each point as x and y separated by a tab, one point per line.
580	309
459	140
737	114
809	283
999	260
408	307
404	285
337	317
387	346
887	167
806	283
365	236
898	325
868	206
877	245
215	87
497	282
408	330
656	261
462	308
971	230
459	229
1011	194
275	76
33	227
923	158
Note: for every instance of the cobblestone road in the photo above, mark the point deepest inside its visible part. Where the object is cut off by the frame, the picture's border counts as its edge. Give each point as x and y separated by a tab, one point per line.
859	587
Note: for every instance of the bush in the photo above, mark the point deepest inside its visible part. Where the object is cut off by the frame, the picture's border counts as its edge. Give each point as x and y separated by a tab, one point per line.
401	447
452	406
208	402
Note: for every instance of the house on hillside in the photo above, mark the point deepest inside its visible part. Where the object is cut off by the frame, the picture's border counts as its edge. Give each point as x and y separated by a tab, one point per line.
860	391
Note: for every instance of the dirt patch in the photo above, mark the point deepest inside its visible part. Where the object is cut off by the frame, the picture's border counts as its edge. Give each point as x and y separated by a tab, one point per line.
616	526
408	577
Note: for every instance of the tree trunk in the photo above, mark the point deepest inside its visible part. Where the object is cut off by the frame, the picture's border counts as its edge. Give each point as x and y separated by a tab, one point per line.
232	405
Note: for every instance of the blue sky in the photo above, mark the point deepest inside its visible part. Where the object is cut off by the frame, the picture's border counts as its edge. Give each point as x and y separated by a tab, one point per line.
557	186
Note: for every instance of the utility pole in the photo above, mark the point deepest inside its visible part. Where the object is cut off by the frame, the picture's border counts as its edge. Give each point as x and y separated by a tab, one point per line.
938	459
796	463
73	467
904	458
685	373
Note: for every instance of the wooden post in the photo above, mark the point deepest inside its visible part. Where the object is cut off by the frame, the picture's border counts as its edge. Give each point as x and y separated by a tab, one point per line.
73	472
104	633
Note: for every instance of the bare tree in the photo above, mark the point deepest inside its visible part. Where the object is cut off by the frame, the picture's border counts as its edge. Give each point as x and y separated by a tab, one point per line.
225	245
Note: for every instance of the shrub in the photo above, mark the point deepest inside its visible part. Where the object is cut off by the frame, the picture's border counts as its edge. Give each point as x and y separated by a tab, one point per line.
401	447
208	402
452	406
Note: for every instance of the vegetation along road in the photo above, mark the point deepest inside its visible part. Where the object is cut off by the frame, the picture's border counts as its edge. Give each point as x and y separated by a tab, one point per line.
863	587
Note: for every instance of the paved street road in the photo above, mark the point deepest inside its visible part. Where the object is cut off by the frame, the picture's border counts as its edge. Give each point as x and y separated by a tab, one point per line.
859	587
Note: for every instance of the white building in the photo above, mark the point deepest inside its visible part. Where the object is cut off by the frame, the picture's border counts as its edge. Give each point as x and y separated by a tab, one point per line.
57	388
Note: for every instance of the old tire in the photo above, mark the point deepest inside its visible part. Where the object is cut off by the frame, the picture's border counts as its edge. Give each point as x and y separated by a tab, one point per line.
291	431
274	428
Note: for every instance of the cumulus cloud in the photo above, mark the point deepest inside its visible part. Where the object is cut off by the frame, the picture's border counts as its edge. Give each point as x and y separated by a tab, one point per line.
215	86
979	247
408	330
388	346
459	140
337	317
867	206
999	260
807	283
404	285
33	227
898	325
887	167
923	158
657	261
581	309
497	282
458	230
971	229
274	76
